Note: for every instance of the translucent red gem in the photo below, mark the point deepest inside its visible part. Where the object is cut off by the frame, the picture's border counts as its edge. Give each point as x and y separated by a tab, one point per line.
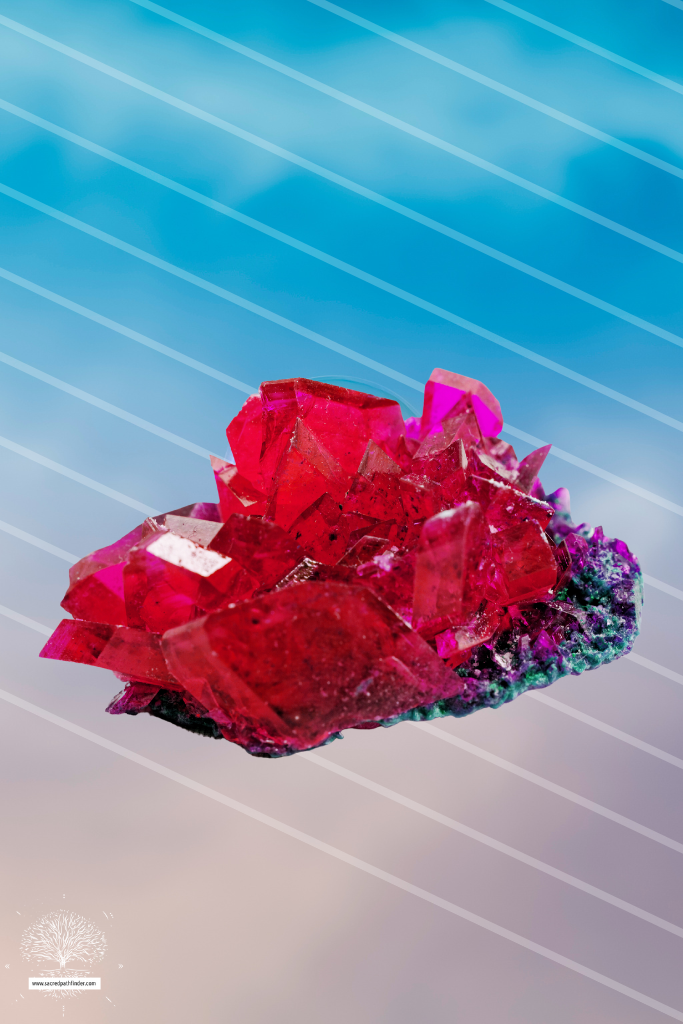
352	562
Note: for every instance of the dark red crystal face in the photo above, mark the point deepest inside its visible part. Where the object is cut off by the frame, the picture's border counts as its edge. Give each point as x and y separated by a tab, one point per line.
352	562
308	660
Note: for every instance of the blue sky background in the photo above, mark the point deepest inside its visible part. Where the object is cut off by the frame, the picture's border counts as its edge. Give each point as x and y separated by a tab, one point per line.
641	278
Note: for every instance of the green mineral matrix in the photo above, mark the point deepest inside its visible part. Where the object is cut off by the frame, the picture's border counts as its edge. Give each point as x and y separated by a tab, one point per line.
357	571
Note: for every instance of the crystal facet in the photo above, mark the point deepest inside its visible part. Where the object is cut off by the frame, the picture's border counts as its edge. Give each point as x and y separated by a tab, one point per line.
357	571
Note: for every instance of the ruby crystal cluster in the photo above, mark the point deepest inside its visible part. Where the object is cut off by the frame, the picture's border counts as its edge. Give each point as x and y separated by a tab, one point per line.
357	571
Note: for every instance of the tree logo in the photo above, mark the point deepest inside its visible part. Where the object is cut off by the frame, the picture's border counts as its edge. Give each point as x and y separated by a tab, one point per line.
63	938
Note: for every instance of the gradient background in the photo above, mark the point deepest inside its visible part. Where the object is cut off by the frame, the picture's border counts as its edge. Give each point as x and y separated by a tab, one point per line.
219	918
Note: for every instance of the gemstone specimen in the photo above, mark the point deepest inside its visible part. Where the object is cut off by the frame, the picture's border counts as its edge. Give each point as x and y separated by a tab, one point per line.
357	571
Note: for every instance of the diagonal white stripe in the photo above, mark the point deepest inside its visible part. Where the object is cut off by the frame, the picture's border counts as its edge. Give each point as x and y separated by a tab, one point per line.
585	44
23	620
208	286
550	787
370	278
112	325
78	477
675	3
340	855
666	588
324	172
14	531
494	844
396	122
460	69
610	730
653	666
574	460
99	403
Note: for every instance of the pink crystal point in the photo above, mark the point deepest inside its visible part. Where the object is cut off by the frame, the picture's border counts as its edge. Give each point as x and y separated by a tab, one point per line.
443	392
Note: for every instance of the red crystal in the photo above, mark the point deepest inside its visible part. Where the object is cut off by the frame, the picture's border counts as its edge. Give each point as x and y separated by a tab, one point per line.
120	648
235	492
261	548
96	583
530	467
136	697
351	563
455	644
306	661
452	566
245	439
526	562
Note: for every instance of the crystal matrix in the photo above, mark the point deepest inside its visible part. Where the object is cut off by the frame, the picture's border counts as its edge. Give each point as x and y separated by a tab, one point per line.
356	571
